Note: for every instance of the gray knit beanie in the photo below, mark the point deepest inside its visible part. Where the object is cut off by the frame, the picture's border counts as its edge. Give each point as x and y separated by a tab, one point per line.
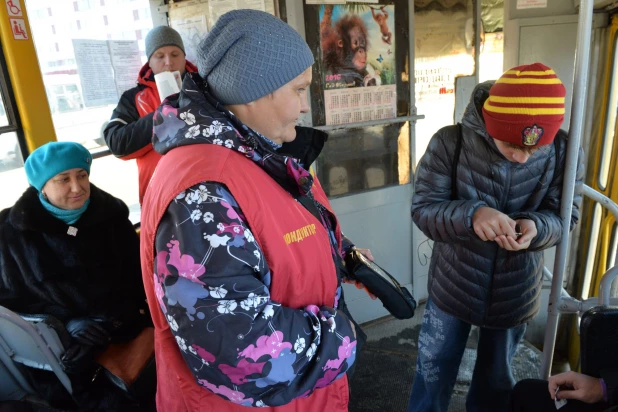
162	36
249	54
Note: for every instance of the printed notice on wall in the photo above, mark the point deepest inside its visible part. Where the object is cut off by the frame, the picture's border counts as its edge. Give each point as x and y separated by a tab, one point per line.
94	65
531	4
106	69
192	30
361	104
125	62
218	8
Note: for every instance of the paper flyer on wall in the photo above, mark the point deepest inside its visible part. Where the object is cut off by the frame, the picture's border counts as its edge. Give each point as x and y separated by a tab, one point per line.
96	75
359	77
192	30
126	63
106	69
218	8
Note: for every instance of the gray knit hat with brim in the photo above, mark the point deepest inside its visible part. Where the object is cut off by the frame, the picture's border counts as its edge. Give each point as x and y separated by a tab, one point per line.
249	54
162	36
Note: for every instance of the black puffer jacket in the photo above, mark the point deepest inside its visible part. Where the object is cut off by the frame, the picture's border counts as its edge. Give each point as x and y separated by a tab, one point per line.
478	281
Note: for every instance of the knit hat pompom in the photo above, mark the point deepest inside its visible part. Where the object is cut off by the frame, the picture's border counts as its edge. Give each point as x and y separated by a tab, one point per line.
525	106
249	54
53	158
162	36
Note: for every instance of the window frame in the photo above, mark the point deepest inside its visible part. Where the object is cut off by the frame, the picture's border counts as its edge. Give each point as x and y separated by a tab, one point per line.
611	116
10	108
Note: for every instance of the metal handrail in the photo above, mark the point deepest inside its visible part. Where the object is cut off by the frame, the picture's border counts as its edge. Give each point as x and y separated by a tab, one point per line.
605	287
580	84
566	304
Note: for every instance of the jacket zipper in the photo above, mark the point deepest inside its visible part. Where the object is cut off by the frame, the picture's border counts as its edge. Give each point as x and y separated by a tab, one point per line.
491	276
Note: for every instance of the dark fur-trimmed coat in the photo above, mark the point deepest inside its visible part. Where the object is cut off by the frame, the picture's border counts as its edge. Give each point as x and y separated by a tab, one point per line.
96	273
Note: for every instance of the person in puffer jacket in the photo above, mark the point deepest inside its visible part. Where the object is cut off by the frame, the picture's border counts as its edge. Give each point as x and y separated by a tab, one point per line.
490	227
128	134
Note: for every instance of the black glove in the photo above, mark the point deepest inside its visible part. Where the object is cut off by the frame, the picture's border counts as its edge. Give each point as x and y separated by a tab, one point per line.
78	358
87	332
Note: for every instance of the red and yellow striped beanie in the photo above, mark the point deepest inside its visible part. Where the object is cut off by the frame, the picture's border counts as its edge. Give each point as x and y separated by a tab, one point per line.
525	106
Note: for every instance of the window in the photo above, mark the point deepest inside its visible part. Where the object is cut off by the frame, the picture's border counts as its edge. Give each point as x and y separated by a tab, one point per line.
49	12
53	29
76	114
12	178
610	122
79	25
80	5
138	34
592	251
135	14
613	248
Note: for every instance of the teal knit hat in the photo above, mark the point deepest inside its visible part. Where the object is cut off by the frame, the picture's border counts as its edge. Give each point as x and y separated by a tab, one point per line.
249	54
53	158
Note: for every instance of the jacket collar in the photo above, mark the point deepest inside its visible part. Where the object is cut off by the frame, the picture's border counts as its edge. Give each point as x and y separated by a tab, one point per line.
196	117
146	76
29	214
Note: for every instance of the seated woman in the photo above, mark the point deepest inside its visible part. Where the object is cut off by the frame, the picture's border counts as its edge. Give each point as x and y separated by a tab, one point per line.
571	391
68	249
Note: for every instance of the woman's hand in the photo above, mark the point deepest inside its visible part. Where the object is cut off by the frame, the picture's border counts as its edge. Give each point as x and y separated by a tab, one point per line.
87	332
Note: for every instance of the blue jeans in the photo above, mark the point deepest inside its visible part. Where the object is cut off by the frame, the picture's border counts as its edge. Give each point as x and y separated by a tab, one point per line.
441	345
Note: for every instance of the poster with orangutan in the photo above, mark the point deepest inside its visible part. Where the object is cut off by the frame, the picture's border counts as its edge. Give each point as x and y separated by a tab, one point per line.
358	62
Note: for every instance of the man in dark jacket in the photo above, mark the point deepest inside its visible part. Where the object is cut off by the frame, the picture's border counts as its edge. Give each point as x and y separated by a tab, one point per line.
129	131
490	227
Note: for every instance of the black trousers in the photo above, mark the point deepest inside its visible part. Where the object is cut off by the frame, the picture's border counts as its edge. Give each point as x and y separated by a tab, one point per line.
532	395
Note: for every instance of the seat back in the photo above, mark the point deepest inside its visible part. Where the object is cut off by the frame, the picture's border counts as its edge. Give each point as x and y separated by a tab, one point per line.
599	340
32	344
12	388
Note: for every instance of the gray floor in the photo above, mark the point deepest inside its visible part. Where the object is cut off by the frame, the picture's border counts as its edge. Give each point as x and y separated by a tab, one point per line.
386	366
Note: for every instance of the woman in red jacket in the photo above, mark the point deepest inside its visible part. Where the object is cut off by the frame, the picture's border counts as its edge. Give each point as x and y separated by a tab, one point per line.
241	252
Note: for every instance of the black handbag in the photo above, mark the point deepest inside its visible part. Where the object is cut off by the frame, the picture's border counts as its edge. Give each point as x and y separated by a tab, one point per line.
396	299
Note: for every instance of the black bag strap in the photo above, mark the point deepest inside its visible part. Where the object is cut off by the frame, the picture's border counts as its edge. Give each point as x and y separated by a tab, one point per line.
454	195
309	204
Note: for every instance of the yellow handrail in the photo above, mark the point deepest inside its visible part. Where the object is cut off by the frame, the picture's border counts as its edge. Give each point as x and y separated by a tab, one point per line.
25	77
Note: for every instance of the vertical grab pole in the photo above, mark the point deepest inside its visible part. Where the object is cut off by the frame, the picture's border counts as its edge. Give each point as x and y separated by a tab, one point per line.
477	40
580	89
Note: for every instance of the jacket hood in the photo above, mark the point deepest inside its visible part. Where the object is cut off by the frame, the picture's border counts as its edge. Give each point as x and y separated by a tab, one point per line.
29	214
146	76
473	115
194	116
